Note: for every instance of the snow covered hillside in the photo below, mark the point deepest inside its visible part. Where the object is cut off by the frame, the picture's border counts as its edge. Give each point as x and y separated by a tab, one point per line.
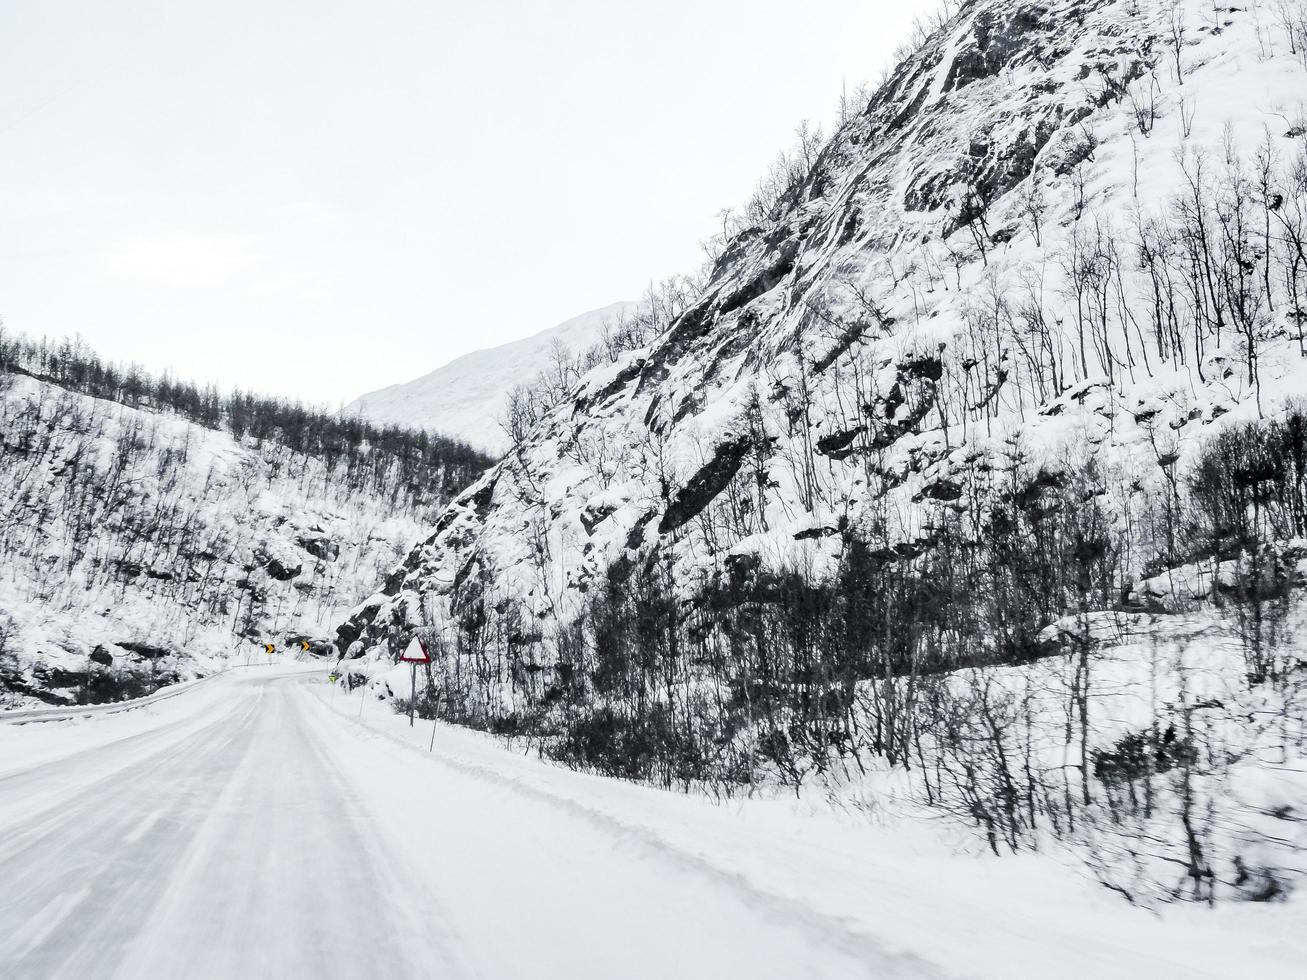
993	251
466	398
1014	351
138	548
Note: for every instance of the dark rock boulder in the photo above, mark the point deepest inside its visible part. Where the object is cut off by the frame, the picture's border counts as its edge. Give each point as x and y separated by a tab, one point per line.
595	514
281	571
711	479
319	546
145	650
837	445
945	491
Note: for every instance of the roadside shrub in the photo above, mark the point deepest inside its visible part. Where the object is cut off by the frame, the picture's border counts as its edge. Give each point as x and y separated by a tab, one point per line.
1139	755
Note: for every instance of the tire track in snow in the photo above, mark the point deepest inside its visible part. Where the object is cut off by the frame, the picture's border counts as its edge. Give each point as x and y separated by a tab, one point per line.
82	849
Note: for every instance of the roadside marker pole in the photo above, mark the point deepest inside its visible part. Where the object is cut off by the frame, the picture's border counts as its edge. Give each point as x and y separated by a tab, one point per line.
412	691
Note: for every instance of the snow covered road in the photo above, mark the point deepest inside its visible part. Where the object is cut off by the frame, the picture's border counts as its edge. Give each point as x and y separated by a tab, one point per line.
225	846
255	828
243	840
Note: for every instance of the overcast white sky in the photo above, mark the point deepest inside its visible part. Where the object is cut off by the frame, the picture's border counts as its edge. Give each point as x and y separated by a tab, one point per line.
320	198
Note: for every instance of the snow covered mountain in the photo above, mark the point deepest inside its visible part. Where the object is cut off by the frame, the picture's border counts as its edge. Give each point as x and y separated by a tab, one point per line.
969	397
138	548
466	397
978	256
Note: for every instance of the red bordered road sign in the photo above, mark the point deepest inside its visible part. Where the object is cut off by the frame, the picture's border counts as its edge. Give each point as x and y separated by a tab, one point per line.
415	653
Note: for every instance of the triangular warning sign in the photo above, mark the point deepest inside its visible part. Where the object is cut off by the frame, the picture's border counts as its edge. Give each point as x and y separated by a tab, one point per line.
415	653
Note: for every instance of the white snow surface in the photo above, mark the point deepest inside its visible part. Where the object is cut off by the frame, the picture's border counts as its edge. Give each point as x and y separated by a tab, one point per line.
466	397
267	825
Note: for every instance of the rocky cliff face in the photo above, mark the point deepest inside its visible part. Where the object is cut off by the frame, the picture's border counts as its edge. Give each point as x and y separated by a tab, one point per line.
997	252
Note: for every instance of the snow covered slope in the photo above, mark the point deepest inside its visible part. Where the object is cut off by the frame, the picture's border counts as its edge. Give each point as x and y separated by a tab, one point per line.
962	266
137	548
995	328
465	398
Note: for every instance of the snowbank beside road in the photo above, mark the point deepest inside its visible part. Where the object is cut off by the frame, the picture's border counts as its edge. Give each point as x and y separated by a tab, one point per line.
892	891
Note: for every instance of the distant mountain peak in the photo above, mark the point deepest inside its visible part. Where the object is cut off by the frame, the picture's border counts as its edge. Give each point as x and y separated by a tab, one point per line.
465	398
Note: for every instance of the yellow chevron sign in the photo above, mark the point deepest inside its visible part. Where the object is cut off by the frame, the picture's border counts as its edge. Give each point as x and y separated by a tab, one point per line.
305	644
269	648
